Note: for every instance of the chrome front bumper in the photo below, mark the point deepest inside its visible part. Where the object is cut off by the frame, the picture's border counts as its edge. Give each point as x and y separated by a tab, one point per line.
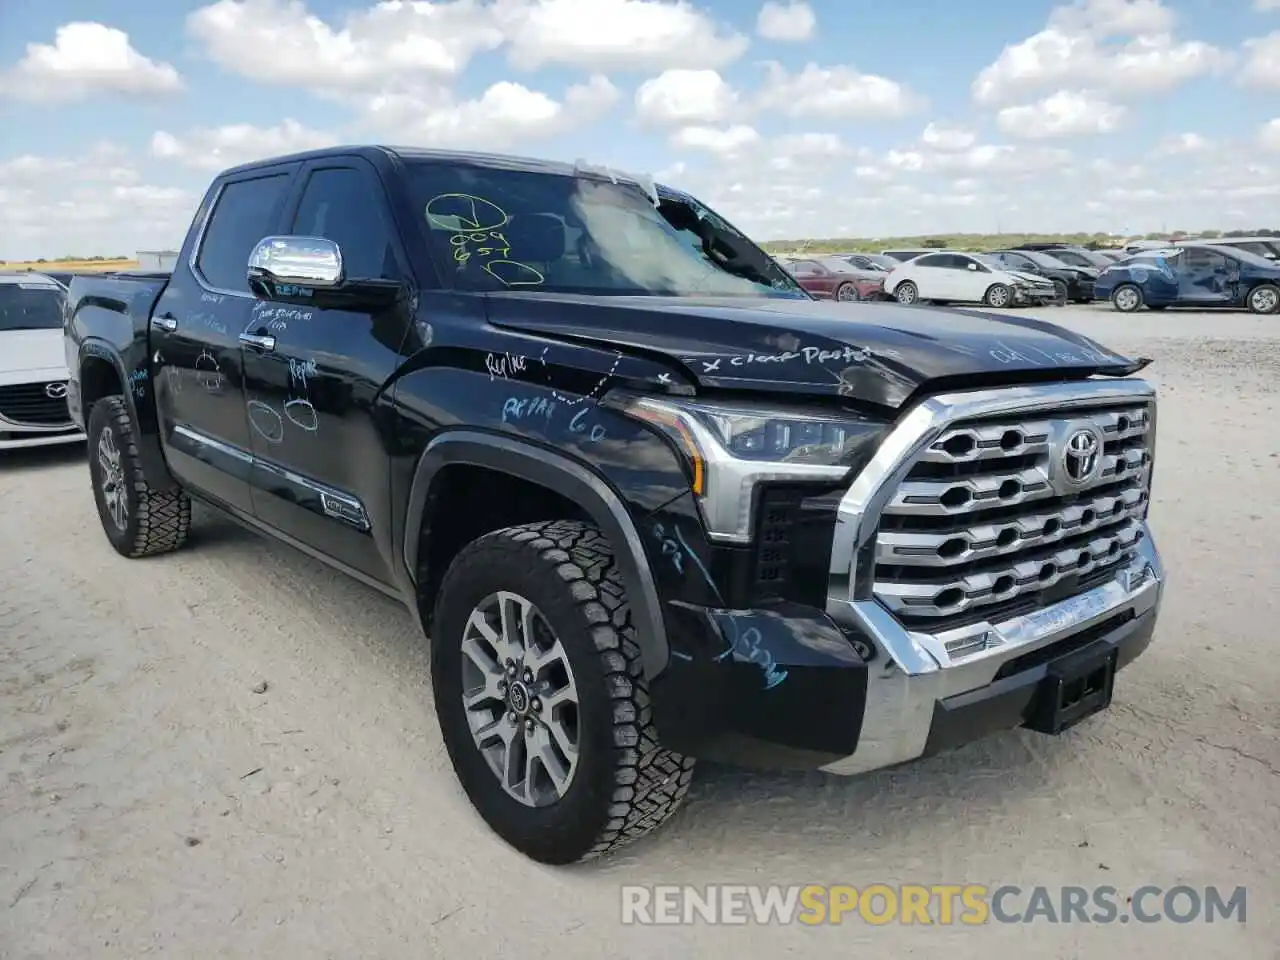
911	673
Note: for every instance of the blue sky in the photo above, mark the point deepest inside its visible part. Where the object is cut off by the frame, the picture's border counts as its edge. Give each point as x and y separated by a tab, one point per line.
1089	114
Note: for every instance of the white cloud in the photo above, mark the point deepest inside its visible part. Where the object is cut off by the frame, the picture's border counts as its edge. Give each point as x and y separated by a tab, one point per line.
1269	135
1067	113
788	22
722	140
1262	68
97	203
948	139
505	115
835	93
615	34
396	62
1080	48
280	42
216	148
1183	143
1266	6
86	59
681	97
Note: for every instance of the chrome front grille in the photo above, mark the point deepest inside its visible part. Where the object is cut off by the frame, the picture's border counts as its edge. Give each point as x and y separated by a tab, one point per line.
997	517
29	404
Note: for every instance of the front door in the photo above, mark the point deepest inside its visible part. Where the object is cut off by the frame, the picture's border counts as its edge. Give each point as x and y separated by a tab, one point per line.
1205	277
196	358
813	277
314	379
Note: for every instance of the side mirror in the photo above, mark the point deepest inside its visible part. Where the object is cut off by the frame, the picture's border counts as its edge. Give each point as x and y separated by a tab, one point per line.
310	271
973	266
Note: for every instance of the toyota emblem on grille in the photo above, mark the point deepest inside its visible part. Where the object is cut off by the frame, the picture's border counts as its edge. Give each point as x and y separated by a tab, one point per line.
55	391
1081	455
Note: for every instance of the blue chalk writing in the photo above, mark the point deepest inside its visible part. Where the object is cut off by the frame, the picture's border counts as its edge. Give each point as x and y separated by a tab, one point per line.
706	574
748	645
525	408
138	383
213	323
576	425
293	290
670	549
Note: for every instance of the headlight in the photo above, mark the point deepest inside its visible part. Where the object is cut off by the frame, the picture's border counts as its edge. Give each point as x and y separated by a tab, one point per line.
732	447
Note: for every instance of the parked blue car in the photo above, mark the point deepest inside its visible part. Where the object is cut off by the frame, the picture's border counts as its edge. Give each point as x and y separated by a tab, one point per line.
1192	276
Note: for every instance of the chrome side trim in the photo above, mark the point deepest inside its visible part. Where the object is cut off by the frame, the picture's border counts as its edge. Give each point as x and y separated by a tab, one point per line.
912	671
17	425
334	504
204	440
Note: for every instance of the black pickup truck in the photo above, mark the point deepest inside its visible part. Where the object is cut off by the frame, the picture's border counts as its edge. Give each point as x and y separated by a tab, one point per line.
650	500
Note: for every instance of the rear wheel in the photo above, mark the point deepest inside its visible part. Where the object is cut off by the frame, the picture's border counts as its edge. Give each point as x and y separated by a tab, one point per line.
998	295
1126	298
1059	293
906	293
1265	299
543	704
138	520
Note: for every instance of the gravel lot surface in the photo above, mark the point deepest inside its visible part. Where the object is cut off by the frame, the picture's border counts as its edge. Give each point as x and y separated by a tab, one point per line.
152	802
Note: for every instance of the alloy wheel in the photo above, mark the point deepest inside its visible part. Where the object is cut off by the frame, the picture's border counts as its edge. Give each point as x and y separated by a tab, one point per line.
1127	299
1264	300
111	478
521	699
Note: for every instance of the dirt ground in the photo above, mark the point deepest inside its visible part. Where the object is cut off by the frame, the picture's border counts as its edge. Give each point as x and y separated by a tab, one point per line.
152	802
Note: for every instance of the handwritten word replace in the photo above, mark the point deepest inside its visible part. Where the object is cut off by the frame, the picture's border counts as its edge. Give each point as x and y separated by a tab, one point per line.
504	365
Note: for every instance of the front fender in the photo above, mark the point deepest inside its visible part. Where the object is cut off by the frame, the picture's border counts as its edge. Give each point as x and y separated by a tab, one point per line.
571	480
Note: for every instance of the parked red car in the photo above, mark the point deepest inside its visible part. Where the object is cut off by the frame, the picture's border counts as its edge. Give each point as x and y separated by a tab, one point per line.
835	279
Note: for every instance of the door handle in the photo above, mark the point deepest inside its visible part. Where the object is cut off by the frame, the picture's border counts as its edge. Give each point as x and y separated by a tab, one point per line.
262	342
166	321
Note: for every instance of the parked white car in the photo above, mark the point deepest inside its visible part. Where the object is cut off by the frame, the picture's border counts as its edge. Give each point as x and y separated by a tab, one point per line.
965	278
33	367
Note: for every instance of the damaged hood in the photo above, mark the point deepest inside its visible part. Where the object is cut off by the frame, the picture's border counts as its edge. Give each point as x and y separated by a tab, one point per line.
877	352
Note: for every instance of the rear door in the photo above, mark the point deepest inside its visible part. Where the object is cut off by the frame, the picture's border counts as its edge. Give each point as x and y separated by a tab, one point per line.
195	325
321	469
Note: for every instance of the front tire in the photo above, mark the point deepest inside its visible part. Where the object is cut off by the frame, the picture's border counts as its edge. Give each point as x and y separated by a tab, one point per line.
906	293
998	295
1127	298
580	772
847	293
1264	299
1059	293
138	520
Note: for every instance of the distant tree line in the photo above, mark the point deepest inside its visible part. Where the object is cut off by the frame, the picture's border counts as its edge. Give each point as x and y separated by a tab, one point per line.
70	259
